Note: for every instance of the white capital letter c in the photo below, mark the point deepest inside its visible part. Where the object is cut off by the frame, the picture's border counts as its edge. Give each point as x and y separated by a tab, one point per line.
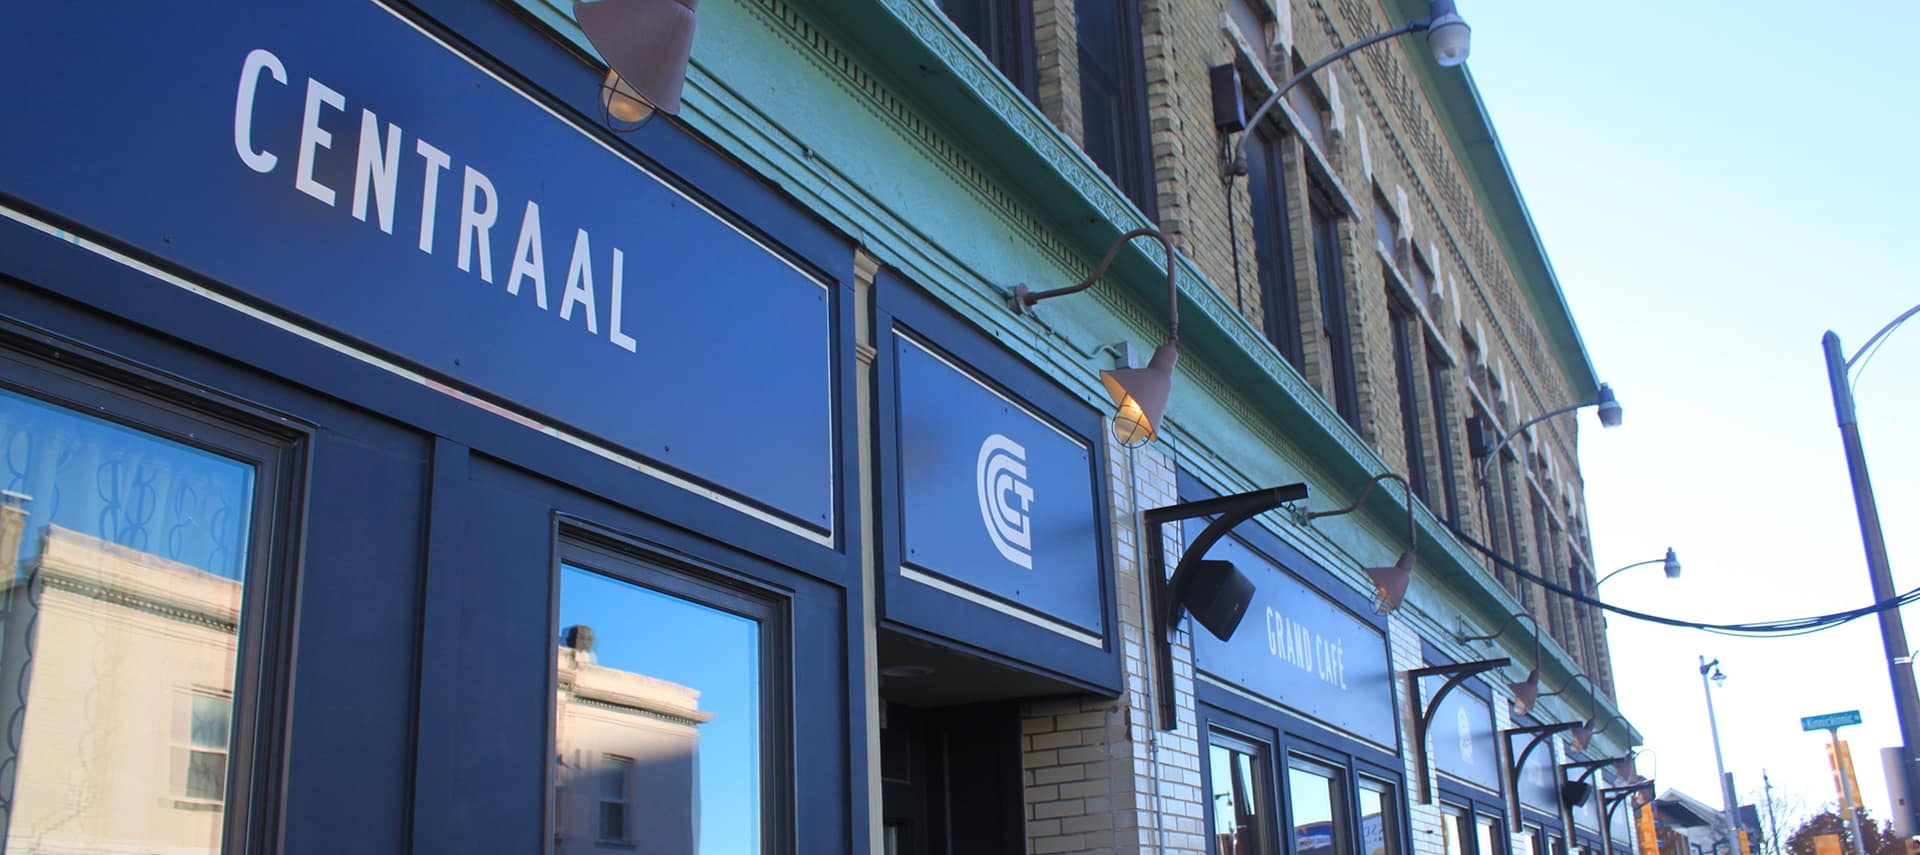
257	59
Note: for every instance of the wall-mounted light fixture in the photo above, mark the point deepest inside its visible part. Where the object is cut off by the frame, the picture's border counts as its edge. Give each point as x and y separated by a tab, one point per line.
646	44
1526	691
1139	394
1582	731
1448	38
1609	411
1575	791
1215	592
1670	564
1611	798
1455	674
1537	734
1390	582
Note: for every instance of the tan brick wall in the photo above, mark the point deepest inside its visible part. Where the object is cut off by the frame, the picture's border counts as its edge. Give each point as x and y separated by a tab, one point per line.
1099	777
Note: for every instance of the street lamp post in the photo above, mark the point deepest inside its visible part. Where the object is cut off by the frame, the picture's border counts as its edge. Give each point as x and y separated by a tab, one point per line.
1893	633
1728	804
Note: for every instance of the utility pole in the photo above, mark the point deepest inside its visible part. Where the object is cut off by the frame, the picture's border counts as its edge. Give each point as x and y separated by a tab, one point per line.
1893	633
1773	822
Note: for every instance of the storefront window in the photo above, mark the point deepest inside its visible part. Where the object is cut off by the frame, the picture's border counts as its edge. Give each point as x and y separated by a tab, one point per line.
1379	824
1315	798
122	563
1237	774
1536	840
657	725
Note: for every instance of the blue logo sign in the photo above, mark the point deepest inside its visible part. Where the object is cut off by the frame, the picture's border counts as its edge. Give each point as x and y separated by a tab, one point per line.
1463	737
1300	649
997	500
346	171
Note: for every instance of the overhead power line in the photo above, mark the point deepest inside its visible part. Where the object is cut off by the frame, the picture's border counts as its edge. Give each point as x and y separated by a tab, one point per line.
1785	627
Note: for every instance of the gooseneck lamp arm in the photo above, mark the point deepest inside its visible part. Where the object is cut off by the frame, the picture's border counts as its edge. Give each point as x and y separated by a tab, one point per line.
1239	145
1169	593
1023	298
1670	561
1609	417
1390	582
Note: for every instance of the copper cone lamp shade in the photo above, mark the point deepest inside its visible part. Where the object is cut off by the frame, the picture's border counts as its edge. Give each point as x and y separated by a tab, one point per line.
646	44
1526	692
1141	396
1582	734
1390	583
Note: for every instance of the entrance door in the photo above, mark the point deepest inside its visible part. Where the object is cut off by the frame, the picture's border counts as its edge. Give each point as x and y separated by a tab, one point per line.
951	779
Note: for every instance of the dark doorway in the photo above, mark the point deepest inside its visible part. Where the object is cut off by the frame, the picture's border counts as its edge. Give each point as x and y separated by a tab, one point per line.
951	779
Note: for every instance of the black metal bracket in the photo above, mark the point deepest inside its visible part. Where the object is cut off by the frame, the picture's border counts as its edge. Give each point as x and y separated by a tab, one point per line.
1589	767
1165	608
1538	734
1455	674
1612	797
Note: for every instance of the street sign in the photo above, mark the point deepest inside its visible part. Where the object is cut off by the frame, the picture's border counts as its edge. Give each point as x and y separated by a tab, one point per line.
1830	720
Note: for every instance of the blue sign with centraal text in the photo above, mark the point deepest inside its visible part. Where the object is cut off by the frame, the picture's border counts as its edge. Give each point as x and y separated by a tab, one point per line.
996	499
342	168
1300	649
1462	735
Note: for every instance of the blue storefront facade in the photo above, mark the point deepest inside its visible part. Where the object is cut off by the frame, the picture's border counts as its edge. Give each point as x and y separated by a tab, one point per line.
394	458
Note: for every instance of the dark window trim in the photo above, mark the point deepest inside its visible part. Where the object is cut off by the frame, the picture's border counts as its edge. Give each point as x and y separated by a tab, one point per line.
599	549
1273	246
1334	325
1008	42
60	372
1406	331
1263	753
1282	734
1135	150
1441	404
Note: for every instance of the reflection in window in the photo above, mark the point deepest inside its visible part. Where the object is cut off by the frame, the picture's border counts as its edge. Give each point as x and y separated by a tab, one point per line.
1453	831
122	558
1314	794
657	730
1486	835
1236	776
1379	825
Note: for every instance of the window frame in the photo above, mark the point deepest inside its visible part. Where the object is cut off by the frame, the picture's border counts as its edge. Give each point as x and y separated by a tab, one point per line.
1133	172
624	802
1267	800
1336	329
1281	734
1441	404
598	549
1008	41
1404	326
1273	241
64	373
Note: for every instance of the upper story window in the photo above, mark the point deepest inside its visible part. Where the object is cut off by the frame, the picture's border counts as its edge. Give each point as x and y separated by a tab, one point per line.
1386	226
1113	99
1336	337
1251	18
1311	107
1406	359
1442	404
1419	277
1273	246
1003	30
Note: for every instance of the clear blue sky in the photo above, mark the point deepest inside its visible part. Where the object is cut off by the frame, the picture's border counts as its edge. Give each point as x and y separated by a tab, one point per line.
1717	184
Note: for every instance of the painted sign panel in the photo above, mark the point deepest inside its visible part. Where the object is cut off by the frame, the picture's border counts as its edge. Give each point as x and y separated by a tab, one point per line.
1300	649
995	497
1830	720
1463	737
1539	786
440	216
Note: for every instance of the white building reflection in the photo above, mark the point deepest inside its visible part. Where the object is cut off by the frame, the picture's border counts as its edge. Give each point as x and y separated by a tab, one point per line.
627	765
116	674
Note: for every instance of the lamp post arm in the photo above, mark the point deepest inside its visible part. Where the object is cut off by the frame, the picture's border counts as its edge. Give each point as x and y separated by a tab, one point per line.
1240	145
1494	452
1024	299
1881	334
1662	560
